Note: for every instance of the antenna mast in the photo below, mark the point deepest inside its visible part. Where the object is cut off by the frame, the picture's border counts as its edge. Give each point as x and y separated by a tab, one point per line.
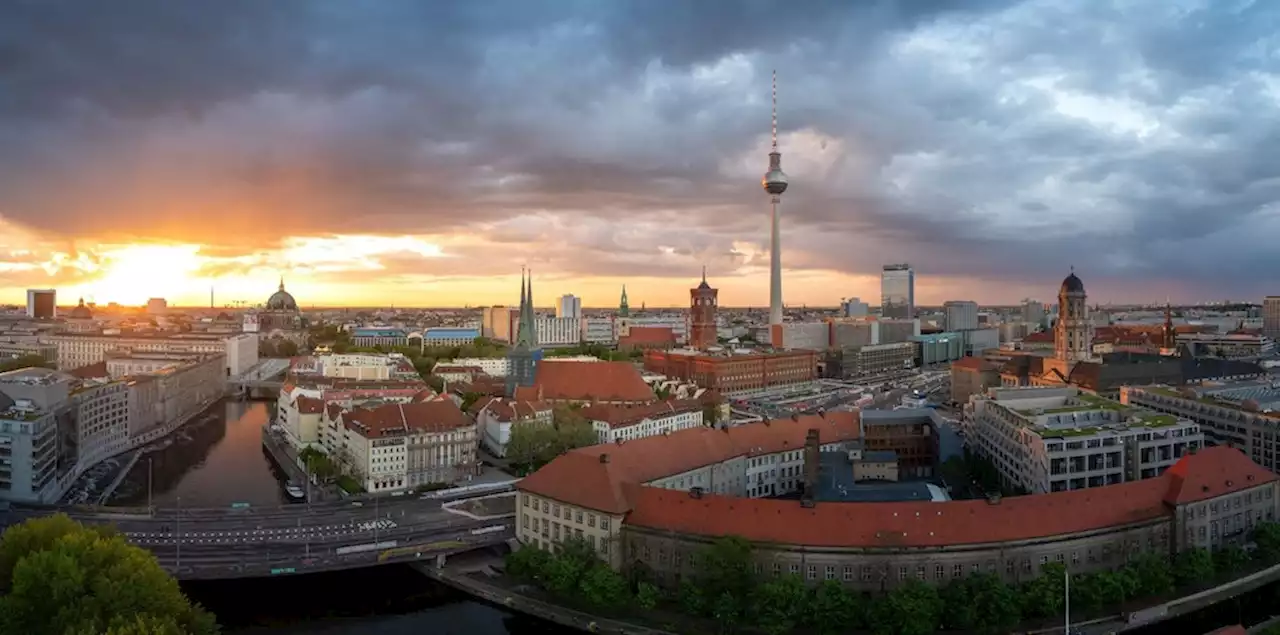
775	111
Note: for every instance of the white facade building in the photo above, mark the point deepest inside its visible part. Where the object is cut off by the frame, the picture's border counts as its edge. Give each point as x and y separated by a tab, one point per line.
599	330
494	366
393	447
239	352
854	307
569	306
1059	439
620	423
496	419
558	331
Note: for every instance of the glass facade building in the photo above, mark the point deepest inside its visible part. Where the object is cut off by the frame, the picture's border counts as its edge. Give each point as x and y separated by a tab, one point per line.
898	292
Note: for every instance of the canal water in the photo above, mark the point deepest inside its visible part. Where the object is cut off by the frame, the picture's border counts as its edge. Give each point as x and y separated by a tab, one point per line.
217	460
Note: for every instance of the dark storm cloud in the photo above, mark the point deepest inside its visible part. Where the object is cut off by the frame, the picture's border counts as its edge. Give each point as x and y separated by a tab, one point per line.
994	139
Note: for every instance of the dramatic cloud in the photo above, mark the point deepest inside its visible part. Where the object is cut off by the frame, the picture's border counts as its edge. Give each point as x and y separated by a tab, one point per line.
426	146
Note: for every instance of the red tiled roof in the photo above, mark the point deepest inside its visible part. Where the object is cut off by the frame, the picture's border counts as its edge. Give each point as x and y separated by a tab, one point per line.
509	410
455	368
621	416
92	371
1040	337
581	477
392	419
648	335
1213	471
908	524
310	405
587	381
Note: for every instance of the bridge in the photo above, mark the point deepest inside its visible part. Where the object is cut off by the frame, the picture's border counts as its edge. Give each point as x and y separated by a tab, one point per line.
267	374
242	541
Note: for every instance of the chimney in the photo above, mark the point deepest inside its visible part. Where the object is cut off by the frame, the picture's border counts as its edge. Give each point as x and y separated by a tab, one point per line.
810	468
604	458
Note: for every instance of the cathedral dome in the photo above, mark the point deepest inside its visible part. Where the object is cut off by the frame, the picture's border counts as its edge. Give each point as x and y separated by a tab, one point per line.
81	312
1072	284
281	300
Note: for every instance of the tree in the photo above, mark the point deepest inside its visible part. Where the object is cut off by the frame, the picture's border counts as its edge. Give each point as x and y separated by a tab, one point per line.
1267	537
1193	566
1230	560
647	596
1043	596
778	604
602	586
724	568
982	603
1104	588
832	609
1152	575
911	609
61	577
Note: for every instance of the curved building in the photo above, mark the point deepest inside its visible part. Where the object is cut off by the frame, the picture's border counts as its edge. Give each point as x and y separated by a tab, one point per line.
653	502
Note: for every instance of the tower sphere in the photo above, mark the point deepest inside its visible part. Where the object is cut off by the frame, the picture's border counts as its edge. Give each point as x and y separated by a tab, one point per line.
774	182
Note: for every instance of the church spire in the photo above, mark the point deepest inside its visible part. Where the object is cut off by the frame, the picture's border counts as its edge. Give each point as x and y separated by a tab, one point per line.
623	309
282	283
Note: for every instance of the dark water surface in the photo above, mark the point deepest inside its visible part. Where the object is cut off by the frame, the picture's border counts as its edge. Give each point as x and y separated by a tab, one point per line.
391	600
213	461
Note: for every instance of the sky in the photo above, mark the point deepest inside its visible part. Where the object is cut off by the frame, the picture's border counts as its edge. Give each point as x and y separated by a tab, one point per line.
388	152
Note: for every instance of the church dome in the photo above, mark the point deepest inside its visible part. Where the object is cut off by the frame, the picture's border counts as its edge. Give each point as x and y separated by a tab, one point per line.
81	312
281	300
1072	284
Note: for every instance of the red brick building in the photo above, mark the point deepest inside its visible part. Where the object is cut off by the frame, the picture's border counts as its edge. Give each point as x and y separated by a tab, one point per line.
702	315
735	373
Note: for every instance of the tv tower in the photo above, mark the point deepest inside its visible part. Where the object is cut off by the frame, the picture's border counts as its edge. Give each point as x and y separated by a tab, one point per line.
775	183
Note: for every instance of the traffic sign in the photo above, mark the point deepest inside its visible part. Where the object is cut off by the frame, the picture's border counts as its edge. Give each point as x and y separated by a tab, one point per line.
239	505
284	570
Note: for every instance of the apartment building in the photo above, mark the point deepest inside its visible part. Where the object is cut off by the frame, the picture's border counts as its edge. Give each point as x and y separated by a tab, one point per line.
1061	439
735	373
617	424
496	417
558	331
1244	415
394	446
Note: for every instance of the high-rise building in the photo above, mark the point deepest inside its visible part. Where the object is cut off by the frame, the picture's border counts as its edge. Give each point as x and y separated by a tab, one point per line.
569	306
962	315
42	304
898	292
854	307
1032	311
496	321
702	314
524	353
1271	317
1073	334
775	183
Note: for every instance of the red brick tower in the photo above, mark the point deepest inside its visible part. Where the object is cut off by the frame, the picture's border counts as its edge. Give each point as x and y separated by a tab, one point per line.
702	314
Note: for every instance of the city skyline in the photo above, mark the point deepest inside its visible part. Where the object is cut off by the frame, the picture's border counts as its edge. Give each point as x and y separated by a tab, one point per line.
424	166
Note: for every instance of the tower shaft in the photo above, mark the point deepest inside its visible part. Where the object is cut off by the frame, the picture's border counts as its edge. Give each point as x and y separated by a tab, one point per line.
775	267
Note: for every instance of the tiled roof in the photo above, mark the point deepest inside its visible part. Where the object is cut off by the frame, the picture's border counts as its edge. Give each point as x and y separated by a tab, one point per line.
392	419
92	371
648	335
1230	630
509	410
310	405
621	416
1039	337
1213	471
587	381
581	477
455	368
908	524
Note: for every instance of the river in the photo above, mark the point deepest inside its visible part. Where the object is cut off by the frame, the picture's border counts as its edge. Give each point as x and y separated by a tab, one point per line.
218	460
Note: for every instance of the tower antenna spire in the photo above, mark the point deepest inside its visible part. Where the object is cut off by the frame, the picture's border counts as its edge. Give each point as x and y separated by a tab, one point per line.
774	129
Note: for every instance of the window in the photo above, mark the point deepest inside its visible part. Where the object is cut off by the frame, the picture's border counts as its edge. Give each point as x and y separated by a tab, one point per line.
794	569
578	517
830	573
777	570
526	501
939	572
1008	568
957	570
524	520
604	524
1044	560
546	507
866	574
591	520
848	574
902	573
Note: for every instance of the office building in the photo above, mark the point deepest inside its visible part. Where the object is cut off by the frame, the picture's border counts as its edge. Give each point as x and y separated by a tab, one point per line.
730	373
569	306
1241	414
42	304
449	336
558	331
898	292
398	446
1271	317
961	315
496	322
1061	439
1032	311
239	351
854	307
